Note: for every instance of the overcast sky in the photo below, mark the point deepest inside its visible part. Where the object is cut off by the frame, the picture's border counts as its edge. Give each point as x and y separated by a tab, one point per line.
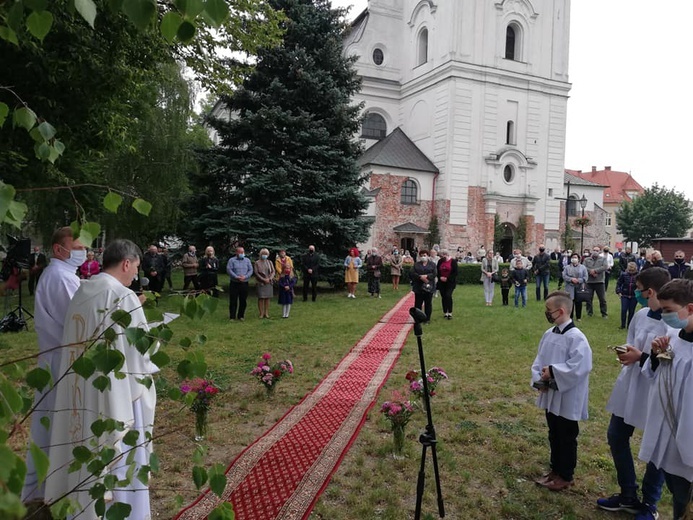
630	98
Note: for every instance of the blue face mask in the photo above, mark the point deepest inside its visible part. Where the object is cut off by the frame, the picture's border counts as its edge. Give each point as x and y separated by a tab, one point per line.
672	319
641	299
241	255
264	257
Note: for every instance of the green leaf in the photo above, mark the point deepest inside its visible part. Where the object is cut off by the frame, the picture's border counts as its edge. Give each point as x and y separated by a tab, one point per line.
7	193
4	111
15	16
102	383
199	475
121	317
118	511
223	511
217	479
88	232
82	454
184	369
217	10
43	151
38	378
107	455
112	201
45	422
36	5
39	24
86	8
160	359
185	342
131	437
16	213
24	118
186	31
108	360
110	481
98	427
10	400
47	131
143	475
41	462
109	335
8	34
59	146
140	12
142	207
169	25
84	367
154	462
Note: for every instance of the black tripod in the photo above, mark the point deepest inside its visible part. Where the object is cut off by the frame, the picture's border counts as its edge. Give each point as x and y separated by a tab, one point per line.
428	438
18	311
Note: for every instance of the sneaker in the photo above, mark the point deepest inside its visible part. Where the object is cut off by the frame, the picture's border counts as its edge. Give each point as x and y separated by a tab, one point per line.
618	503
647	512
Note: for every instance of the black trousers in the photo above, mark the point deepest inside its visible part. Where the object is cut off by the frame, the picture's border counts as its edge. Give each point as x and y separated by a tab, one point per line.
311	280
422	300
446	289
505	291
601	294
156	284
191	278
238	299
33	281
563	435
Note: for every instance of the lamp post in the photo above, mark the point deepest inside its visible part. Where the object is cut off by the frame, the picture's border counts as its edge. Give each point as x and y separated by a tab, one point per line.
583	203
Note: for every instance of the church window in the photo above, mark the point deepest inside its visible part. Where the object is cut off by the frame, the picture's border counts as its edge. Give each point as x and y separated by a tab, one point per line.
607	220
512	42
572	206
510	133
373	126
409	192
378	56
422	47
508	173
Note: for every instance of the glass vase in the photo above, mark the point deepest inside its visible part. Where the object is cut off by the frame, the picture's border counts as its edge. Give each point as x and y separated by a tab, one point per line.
200	425
398	438
270	391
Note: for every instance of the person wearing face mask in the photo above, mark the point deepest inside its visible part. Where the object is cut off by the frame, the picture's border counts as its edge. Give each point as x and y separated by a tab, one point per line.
396	263
154	268
596	267
679	269
373	265
625	288
574	275
264	274
129	399
190	264
628	402
283	262
209	267
447	281
54	290
560	373
542	271
310	266
666	440
423	276
606	254
239	270
517	255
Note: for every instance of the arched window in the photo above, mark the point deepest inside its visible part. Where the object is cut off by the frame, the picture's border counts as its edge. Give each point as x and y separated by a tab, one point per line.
572	206
513	42
422	47
508	173
409	192
373	126
510	132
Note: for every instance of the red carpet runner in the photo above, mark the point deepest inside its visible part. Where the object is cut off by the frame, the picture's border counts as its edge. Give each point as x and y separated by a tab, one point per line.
281	475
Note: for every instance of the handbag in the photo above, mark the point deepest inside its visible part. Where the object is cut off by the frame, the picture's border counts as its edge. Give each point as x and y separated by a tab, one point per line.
427	287
495	278
582	293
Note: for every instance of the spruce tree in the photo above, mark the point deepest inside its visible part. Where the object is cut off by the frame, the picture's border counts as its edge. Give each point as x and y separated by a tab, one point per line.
284	174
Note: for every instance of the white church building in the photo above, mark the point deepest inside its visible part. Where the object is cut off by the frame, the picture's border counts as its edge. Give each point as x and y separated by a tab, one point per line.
465	117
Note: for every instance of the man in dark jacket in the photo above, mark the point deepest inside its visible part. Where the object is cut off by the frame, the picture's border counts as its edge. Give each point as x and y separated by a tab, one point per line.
679	268
154	268
310	265
625	258
542	271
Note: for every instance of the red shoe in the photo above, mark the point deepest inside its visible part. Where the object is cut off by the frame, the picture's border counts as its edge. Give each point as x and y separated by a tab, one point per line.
545	479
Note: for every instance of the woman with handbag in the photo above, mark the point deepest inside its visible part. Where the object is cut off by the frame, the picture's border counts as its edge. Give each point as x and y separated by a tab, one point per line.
447	281
423	276
575	276
489	270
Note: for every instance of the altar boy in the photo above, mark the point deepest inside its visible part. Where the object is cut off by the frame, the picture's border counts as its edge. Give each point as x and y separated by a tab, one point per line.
560	372
666	441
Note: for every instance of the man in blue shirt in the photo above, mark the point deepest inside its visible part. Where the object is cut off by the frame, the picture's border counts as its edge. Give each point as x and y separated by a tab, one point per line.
239	270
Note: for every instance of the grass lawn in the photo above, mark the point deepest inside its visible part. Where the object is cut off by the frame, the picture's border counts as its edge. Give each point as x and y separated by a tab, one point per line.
492	438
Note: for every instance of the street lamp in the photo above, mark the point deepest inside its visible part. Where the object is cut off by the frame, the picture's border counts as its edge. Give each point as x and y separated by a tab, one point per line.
583	203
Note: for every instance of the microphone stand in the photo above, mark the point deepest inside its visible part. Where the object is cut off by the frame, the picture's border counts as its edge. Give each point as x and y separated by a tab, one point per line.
428	437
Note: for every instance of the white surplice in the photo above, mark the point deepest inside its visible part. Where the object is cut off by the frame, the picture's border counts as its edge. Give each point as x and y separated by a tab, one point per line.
78	403
667	440
55	288
629	397
570	357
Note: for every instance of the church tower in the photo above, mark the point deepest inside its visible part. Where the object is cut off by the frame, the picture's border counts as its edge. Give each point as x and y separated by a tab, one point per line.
479	88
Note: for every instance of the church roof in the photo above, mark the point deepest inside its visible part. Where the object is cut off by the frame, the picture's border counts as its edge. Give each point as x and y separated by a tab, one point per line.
619	185
397	151
409	227
570	176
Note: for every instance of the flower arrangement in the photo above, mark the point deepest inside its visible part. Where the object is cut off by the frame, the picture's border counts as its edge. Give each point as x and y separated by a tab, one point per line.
434	376
582	221
270	374
204	391
398	411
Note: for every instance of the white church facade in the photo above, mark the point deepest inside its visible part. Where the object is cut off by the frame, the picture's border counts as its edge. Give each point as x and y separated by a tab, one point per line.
465	106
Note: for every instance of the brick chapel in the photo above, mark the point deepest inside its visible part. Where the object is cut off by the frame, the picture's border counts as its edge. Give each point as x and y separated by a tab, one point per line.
464	118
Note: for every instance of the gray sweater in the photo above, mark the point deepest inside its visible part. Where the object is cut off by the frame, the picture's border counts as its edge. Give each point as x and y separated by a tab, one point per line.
599	266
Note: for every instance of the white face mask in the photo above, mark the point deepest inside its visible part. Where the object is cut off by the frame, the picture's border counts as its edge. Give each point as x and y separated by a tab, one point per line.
77	257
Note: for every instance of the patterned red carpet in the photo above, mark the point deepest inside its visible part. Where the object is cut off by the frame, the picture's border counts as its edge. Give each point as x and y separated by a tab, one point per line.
281	475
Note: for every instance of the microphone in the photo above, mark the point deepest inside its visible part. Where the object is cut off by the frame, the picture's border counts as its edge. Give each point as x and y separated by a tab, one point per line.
418	315
144	282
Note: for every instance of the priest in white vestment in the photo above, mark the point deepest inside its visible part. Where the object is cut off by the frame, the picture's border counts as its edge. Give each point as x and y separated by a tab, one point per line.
79	404
57	285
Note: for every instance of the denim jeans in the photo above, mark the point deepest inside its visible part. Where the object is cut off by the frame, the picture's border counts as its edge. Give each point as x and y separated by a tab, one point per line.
680	490
521	290
618	435
542	279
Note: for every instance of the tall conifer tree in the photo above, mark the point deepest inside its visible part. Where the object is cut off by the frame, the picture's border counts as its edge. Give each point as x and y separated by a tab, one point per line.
285	174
